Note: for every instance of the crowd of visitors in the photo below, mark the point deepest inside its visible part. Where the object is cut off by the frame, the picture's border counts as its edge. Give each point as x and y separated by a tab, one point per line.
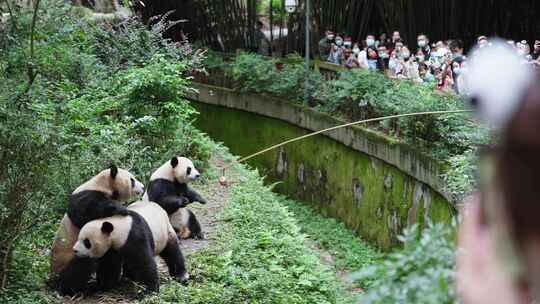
442	63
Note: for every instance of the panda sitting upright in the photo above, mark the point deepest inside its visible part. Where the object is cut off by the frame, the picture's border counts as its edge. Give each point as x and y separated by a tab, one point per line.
169	188
144	233
99	197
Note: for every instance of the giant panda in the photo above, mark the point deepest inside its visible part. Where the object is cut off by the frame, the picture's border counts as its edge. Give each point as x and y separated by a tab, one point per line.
144	233
97	198
169	188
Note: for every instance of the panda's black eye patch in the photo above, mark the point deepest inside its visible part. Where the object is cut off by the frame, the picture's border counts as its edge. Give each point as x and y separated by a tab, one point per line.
87	243
132	183
188	170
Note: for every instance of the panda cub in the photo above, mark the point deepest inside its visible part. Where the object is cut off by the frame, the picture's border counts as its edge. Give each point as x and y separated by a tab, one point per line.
169	188
97	198
144	233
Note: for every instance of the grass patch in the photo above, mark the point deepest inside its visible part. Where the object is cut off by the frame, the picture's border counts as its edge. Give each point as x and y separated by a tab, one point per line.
349	251
260	257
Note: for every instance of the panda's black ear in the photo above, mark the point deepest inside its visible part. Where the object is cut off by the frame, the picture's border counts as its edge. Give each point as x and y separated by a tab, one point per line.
114	171
174	162
107	228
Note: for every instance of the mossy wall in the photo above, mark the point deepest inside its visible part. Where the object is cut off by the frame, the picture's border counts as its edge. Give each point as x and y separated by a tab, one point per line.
375	199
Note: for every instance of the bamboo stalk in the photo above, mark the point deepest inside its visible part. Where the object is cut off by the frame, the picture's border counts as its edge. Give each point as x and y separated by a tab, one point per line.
348	125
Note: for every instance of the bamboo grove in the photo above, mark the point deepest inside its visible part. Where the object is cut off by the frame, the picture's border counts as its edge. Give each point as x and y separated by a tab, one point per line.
230	24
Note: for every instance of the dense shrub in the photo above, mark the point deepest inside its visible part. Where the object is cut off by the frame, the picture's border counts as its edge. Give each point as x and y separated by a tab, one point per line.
256	73
93	103
378	96
422	272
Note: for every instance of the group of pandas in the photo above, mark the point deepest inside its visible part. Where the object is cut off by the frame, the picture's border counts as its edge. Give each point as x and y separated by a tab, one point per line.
100	235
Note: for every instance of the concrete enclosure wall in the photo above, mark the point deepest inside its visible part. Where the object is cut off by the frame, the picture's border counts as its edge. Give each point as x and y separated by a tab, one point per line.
375	185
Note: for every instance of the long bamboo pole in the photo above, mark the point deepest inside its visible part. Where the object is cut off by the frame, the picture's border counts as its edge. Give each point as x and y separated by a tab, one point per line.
339	127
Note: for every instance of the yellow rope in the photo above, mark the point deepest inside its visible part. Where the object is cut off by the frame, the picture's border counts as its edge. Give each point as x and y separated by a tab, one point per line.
343	126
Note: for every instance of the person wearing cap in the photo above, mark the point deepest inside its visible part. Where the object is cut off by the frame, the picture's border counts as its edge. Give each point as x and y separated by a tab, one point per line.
536	52
325	44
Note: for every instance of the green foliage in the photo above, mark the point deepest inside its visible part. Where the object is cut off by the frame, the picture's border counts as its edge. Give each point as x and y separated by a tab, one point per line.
460	174
349	251
379	96
256	73
360	94
94	102
260	256
422	272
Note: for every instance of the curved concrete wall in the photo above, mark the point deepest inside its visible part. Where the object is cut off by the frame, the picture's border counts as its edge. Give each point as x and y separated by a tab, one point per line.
374	184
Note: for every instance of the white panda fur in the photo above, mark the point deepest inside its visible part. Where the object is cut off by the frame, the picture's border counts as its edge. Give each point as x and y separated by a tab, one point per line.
99	197
131	237
153	214
169	188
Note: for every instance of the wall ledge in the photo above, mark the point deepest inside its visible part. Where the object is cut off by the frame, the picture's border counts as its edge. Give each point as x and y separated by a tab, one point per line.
389	150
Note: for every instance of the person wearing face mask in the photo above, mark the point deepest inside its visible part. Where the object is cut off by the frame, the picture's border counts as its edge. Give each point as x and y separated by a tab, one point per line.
423	45
420	57
409	69
374	62
536	53
458	70
383	54
356	49
370	40
325	44
347	43
394	62
339	41
456	47
335	54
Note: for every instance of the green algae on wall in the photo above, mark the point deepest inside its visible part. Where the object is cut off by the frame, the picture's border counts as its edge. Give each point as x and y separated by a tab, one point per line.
375	199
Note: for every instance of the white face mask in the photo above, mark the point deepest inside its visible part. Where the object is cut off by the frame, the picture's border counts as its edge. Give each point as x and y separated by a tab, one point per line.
370	42
421	58
356	50
330	37
422	43
406	55
339	42
347	43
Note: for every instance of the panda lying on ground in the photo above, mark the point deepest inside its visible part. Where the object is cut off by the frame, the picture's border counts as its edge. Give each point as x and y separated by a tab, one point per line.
134	240
99	197
169	188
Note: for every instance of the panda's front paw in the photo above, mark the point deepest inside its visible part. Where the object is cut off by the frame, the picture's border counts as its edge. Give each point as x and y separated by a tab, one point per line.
202	201
183	202
183	278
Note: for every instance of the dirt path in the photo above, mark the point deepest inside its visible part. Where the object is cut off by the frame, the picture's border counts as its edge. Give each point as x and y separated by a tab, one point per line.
217	197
